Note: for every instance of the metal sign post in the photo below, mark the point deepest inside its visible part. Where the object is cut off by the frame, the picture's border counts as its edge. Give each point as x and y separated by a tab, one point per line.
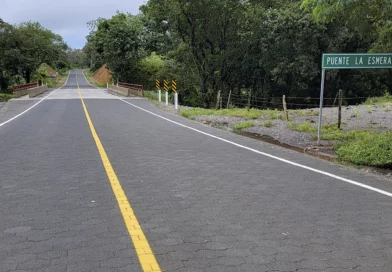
350	61
321	106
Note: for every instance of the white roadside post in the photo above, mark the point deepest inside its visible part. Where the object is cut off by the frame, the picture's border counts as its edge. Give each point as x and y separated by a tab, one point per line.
176	101
158	86
166	86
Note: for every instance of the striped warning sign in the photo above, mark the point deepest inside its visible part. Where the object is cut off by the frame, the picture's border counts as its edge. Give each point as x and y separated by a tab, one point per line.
166	85
158	84
174	86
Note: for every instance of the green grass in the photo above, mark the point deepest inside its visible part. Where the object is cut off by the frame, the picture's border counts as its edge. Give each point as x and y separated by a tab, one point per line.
268	124
250	114
243	125
357	112
303	127
304	112
386	108
5	97
386	99
366	148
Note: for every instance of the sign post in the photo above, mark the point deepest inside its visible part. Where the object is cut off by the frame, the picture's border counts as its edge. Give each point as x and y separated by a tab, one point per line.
158	86
166	87
335	61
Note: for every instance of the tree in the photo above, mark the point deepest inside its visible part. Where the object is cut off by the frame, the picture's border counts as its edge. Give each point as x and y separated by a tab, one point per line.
118	42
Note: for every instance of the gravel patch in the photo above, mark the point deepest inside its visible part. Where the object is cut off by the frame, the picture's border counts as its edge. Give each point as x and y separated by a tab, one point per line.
362	117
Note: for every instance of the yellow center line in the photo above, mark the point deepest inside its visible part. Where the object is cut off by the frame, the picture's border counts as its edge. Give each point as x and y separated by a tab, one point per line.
142	247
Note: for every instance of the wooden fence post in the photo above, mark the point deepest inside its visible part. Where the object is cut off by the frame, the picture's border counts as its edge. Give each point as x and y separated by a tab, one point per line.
286	113
250	95
218	100
228	101
340	108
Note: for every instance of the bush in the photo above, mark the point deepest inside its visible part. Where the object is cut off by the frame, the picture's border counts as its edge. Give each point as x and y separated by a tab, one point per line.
5	97
367	148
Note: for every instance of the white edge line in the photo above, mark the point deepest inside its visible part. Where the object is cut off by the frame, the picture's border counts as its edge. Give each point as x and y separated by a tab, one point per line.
88	81
268	155
20	114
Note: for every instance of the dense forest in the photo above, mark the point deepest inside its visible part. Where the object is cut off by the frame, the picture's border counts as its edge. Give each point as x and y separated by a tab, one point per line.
269	48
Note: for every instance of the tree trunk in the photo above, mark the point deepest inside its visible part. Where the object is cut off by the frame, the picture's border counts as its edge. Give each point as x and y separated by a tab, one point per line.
28	76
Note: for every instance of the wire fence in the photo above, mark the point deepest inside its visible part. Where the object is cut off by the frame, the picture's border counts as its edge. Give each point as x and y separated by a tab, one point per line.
246	100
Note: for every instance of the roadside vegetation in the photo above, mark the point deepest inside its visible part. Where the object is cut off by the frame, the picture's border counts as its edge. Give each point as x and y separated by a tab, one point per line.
5	97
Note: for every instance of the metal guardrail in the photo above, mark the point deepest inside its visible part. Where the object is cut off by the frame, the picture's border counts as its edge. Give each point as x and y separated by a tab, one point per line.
25	86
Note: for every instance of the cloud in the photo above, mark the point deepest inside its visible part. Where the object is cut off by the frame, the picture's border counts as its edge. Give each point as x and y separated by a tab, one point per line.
67	18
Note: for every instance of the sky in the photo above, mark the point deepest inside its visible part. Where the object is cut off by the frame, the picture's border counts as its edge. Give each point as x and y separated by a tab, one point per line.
65	17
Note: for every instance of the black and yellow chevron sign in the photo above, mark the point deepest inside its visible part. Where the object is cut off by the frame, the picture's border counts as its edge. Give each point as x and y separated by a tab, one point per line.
166	85
158	84
174	86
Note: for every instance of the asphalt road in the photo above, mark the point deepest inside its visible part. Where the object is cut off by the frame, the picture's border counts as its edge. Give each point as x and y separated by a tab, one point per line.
206	200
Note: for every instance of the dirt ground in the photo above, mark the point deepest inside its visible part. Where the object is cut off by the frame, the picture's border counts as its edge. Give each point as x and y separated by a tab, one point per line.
102	75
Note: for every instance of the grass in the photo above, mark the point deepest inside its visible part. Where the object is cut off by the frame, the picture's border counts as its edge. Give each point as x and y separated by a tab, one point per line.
357	112
366	148
250	114
58	81
386	99
243	125
5	97
304	112
302	127
268	124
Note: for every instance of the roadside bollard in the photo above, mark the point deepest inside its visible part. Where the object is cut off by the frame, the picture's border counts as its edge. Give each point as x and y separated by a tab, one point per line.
176	101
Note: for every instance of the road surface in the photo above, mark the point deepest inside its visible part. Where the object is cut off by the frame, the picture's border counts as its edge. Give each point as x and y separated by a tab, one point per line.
90	182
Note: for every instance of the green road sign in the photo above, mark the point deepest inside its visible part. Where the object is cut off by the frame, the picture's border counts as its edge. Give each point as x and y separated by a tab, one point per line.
357	61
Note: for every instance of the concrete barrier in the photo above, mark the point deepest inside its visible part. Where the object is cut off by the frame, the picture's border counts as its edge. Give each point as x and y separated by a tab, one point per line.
136	92
118	90
20	93
37	91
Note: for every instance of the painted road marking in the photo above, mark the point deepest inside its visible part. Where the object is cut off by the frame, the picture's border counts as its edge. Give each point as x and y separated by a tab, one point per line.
268	155
142	247
88	81
20	114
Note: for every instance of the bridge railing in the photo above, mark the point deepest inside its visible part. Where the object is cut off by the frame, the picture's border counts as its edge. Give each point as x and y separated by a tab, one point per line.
134	89
25	86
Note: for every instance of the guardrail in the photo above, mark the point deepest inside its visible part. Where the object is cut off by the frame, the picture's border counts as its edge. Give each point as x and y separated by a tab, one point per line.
25	86
134	89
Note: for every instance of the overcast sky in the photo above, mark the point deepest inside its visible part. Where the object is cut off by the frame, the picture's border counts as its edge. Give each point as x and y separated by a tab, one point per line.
65	17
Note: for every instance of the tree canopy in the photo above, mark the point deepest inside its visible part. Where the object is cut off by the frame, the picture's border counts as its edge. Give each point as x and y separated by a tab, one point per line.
23	48
270	48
